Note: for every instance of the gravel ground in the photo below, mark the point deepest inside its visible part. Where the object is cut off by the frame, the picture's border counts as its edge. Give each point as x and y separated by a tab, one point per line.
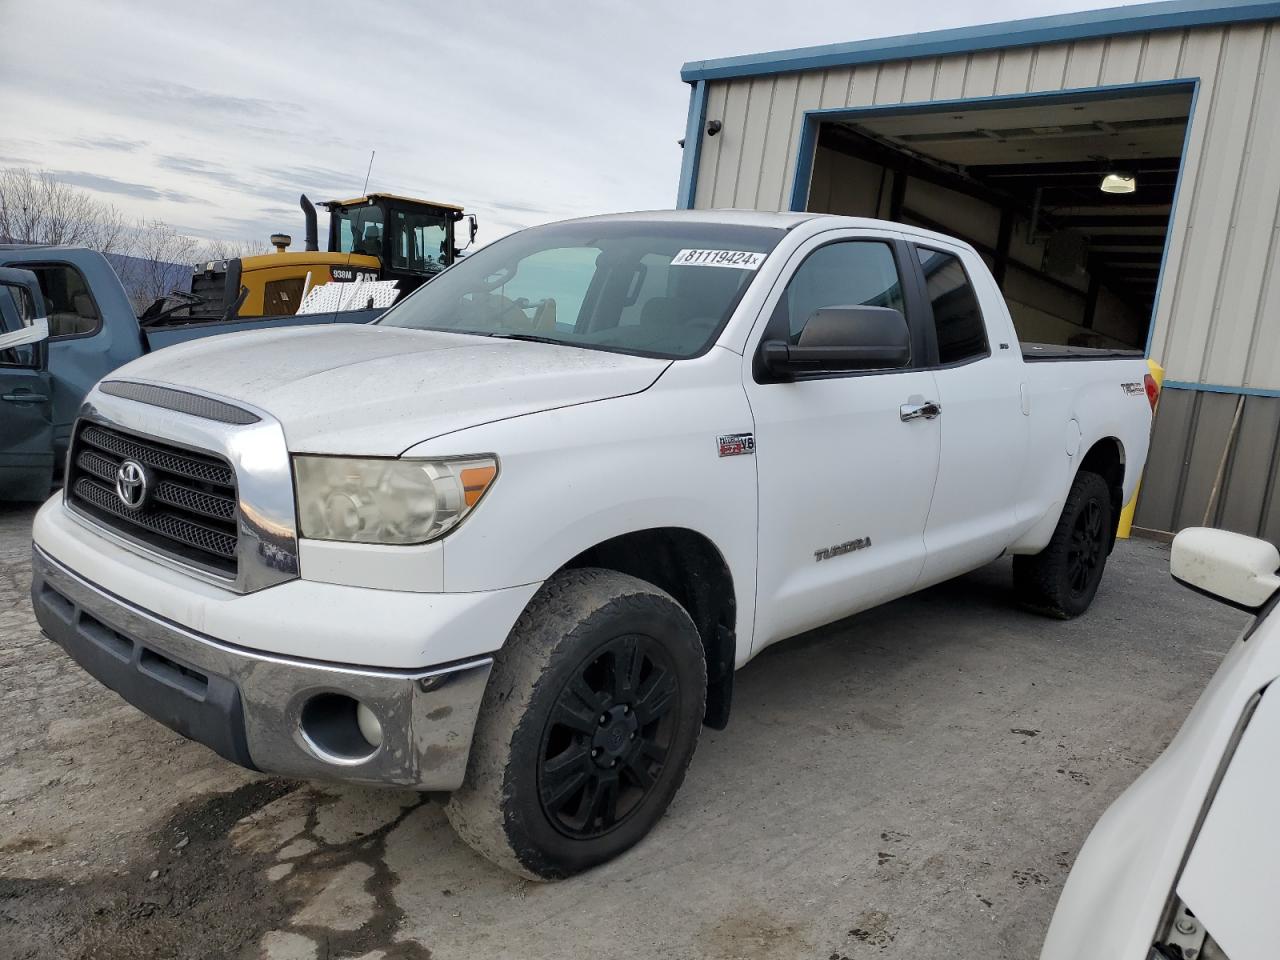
913	782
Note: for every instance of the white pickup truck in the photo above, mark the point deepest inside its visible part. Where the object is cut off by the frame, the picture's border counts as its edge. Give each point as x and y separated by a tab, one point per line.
512	540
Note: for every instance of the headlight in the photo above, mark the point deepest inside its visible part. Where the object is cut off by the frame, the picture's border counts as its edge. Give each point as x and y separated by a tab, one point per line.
387	501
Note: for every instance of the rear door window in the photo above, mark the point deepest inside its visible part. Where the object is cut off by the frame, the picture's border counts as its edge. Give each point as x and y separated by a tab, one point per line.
72	309
957	316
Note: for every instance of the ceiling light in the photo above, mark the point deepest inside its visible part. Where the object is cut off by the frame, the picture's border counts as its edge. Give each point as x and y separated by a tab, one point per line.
1118	182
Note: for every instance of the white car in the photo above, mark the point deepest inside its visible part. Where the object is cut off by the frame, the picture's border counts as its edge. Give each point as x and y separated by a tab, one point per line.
1185	865
512	540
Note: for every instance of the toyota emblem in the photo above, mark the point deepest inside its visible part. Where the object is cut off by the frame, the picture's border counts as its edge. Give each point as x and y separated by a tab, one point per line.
133	483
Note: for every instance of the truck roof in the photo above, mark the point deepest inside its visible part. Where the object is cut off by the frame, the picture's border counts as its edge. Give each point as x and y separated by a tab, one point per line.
390	196
785	220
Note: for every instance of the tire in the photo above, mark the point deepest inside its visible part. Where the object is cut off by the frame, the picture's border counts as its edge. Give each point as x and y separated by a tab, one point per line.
552	790
1062	580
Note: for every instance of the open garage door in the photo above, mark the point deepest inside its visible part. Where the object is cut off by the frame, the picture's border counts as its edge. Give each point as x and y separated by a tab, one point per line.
1067	197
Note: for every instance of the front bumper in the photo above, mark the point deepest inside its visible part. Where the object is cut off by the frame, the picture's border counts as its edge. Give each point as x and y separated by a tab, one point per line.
273	713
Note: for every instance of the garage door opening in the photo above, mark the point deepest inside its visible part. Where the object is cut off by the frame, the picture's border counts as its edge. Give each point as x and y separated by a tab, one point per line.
1022	180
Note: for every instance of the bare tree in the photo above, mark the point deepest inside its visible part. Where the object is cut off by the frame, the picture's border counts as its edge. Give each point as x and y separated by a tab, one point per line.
36	207
228	250
160	261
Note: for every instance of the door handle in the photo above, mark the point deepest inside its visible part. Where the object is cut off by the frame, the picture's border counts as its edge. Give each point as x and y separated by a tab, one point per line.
24	397
929	410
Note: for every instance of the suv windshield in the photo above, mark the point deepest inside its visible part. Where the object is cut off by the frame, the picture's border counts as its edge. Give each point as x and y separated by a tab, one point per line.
652	288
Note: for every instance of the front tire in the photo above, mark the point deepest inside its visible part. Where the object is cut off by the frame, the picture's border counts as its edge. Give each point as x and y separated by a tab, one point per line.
588	724
1062	580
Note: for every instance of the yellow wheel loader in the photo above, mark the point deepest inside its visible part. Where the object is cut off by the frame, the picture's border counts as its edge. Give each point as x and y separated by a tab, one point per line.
377	237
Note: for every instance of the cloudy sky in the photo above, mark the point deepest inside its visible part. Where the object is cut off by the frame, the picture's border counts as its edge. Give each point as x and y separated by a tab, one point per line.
215	116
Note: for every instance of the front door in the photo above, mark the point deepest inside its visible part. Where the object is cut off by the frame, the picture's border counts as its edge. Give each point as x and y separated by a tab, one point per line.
26	425
846	472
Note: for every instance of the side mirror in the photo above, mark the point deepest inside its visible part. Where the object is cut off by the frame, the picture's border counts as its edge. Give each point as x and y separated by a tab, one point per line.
473	227
1239	570
843	338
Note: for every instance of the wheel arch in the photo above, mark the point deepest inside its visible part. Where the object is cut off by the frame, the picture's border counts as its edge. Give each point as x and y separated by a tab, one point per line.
689	566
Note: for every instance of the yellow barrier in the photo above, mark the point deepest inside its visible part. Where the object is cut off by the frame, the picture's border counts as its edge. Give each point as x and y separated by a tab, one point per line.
1126	515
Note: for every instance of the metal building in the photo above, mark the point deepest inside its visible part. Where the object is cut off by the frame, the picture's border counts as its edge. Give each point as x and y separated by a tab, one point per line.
1003	134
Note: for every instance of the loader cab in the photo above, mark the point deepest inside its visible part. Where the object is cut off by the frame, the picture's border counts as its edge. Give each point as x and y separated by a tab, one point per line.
412	239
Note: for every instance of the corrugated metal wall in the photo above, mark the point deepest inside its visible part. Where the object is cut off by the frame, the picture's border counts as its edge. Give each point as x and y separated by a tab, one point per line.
1207	464
1218	317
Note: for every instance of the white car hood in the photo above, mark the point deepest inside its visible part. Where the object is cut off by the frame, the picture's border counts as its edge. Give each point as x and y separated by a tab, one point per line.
374	390
1118	887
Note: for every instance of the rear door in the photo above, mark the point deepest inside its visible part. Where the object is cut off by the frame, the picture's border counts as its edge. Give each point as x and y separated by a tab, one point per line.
978	368
26	426
845	472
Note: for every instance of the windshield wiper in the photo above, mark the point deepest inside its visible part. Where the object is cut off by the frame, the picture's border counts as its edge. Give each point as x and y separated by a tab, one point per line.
532	338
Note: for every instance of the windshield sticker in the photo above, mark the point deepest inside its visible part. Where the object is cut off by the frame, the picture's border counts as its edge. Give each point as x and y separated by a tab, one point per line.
734	259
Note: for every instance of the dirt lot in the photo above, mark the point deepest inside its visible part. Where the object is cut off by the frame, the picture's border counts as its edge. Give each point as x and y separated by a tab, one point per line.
913	782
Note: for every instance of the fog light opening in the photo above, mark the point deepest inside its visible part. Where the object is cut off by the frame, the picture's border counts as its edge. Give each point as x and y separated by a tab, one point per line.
340	729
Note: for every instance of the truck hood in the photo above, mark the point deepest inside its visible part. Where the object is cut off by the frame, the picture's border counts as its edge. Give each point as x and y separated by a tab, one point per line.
376	391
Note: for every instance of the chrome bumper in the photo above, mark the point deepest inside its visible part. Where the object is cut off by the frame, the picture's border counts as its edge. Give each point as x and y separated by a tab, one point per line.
269	713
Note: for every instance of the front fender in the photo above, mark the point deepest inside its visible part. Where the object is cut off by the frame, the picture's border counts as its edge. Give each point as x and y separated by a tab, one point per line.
574	477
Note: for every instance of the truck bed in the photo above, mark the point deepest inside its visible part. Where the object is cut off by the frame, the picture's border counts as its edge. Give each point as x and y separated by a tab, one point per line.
1039	352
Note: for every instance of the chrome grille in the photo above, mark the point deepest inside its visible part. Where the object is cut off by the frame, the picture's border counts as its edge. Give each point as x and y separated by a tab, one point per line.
190	513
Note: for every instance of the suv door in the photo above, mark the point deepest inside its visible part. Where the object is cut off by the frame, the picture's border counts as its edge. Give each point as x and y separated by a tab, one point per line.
26	426
984	428
846	461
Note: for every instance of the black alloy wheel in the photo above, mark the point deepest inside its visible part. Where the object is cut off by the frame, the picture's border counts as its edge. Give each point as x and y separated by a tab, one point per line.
607	738
1062	579
1088	547
590	717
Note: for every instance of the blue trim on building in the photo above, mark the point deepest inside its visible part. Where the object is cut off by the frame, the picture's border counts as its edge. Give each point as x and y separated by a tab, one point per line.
1091	24
1219	388
694	131
1173	213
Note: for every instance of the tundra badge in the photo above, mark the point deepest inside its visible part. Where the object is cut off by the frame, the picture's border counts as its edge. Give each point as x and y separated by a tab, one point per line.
841	548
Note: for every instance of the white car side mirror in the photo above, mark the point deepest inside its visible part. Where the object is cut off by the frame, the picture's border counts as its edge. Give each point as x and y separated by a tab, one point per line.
1228	566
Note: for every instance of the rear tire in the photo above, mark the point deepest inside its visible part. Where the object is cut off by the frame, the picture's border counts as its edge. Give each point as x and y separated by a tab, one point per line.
1062	580
588	724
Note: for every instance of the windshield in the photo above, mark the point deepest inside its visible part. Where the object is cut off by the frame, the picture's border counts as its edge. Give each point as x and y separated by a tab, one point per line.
642	287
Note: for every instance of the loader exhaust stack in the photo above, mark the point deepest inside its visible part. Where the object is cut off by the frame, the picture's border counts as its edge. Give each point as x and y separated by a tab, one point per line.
311	239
